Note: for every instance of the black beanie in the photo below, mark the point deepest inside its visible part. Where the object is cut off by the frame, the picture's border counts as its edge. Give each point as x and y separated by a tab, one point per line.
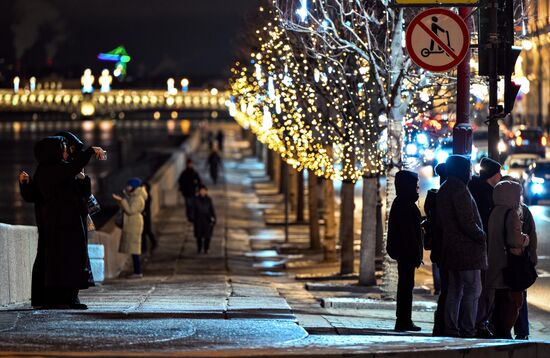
441	171
489	168
459	166
405	184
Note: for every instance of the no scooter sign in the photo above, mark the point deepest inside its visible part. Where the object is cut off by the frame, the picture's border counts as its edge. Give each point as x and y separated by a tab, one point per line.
437	40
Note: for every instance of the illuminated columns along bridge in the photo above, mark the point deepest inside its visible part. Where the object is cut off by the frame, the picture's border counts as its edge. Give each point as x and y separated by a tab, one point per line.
74	101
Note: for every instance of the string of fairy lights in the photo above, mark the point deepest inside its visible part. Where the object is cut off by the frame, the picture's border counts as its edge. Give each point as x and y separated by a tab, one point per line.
314	103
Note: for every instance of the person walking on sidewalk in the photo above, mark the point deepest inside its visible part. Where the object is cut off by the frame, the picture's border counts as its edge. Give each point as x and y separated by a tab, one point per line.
214	163
505	235
220	137
132	225
432	241
405	244
204	219
481	188
189	182
464	247
147	234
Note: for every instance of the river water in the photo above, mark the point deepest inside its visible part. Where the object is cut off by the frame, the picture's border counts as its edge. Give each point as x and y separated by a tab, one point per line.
136	146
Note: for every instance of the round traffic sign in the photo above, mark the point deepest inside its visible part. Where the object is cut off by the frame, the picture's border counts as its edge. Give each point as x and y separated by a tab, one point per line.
437	39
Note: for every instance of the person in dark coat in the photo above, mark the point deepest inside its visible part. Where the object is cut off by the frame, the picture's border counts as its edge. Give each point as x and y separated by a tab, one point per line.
62	256
204	219
481	188
463	247
440	275
405	244
147	234
189	182
220	139
214	163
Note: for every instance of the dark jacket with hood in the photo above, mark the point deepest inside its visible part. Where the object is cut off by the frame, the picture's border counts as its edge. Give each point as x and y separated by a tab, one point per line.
61	216
404	235
189	182
464	243
482	193
204	216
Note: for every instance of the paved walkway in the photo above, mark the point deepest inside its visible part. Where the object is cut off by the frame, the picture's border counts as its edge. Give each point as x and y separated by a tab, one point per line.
237	300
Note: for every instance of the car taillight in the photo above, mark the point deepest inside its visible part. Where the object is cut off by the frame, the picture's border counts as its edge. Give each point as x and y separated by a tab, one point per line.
543	141
519	141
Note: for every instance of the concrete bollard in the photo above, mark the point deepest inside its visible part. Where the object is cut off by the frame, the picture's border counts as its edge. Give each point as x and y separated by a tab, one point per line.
96	252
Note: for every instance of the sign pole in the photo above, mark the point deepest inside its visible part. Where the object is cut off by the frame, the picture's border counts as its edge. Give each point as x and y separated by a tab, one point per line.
462	132
494	111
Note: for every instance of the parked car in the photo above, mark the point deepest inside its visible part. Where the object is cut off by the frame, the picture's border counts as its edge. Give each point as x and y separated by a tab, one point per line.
529	140
516	164
537	182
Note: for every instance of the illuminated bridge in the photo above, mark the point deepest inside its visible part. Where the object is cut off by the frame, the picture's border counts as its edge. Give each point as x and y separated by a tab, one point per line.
75	102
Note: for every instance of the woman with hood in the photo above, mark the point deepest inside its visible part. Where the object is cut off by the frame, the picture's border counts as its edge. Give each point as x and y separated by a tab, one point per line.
132	225
405	244
505	236
62	265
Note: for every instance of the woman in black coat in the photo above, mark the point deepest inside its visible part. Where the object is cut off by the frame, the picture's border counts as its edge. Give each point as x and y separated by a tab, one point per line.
405	244
204	219
62	228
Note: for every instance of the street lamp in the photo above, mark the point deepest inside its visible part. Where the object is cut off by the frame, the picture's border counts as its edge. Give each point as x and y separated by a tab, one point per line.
87	81
32	83
170	86
105	81
16	82
184	85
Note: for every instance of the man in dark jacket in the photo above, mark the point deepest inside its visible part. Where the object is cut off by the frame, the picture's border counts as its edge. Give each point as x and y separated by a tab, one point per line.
464	248
204	219
189	182
405	244
481	188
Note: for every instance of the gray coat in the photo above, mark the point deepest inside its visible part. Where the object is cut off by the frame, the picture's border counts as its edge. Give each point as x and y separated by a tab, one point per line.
503	234
463	241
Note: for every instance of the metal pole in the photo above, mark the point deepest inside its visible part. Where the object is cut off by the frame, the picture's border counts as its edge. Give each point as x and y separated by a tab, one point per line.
462	132
493	131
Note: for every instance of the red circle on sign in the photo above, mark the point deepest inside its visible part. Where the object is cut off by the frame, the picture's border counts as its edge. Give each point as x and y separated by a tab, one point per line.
459	57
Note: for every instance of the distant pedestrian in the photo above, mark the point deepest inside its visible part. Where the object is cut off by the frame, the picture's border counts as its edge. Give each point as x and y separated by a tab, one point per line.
214	163
62	265
220	139
481	188
132	206
148	235
204	219
521	327
210	140
189	182
464	247
405	244
432	241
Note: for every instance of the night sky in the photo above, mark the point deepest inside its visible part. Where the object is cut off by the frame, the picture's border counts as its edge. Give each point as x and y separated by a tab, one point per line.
194	38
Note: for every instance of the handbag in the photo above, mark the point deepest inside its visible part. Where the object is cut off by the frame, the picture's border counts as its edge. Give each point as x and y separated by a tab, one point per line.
520	273
119	218
93	205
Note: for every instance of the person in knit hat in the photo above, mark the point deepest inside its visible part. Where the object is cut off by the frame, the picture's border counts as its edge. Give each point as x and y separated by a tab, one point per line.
132	225
481	188
464	248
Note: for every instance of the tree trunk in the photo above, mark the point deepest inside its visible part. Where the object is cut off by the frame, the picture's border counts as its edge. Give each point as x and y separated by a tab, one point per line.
282	168
300	206
269	163
330	221
367	258
347	234
293	188
313	205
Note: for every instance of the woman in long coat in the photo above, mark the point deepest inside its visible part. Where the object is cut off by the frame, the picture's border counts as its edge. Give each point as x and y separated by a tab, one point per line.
204	219
62	230
132	228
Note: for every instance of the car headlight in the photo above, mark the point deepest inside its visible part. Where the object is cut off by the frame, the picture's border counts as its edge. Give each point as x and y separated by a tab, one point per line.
441	156
537	188
411	149
502	147
422	139
429	155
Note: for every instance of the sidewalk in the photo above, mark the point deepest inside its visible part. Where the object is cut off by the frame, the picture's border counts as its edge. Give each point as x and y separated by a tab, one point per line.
236	301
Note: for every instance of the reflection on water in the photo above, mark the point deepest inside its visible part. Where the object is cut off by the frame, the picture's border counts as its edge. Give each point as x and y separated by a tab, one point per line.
126	141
